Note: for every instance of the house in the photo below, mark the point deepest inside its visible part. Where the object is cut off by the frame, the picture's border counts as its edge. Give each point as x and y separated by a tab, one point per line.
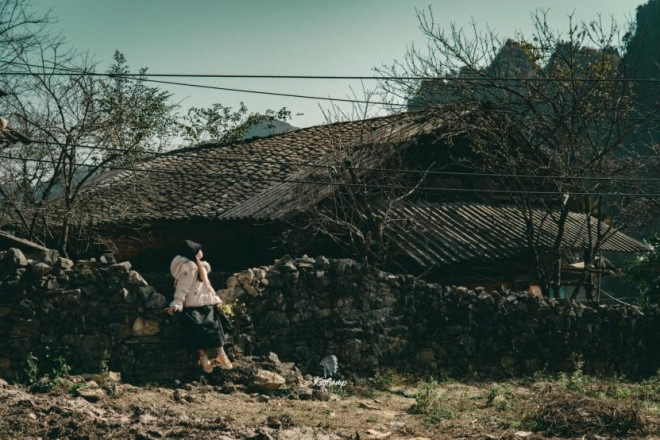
238	199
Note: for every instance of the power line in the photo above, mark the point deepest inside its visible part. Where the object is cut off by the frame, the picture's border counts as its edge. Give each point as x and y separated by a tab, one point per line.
70	72
262	92
320	98
155	154
326	183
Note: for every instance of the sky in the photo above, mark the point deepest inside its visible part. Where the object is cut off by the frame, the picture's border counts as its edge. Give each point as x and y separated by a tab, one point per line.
287	37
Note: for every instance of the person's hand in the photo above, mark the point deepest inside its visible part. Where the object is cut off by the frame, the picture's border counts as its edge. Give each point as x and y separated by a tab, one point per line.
170	310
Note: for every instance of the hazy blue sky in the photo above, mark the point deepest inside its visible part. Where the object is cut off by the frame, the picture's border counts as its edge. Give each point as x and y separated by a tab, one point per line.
339	37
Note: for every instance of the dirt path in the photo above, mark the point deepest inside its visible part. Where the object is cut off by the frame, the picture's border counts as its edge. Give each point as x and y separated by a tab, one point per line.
369	410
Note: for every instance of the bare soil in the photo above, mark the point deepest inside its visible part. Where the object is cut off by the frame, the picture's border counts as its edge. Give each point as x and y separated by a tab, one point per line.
370	409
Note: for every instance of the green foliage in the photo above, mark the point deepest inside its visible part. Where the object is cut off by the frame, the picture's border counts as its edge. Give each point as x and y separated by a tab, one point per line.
283	392
233	308
104	366
429	403
577	381
644	273
59	374
502	398
383	381
31	369
135	118
651	388
222	124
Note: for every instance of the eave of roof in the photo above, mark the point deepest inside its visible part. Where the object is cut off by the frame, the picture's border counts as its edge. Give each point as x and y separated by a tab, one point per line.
206	181
449	233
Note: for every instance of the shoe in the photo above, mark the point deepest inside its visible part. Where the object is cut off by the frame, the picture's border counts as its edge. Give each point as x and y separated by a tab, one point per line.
224	361
207	366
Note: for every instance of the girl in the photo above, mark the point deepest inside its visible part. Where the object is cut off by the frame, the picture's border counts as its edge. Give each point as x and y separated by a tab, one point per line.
199	305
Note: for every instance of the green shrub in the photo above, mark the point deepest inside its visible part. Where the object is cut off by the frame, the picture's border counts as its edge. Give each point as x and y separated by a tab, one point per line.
385	380
502	398
577	381
59	375
429	403
31	369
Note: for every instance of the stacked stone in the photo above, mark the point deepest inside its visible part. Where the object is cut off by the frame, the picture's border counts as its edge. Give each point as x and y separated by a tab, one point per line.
98	313
306	308
91	313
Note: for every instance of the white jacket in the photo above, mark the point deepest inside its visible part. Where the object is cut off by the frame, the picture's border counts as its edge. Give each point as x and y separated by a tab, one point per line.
190	291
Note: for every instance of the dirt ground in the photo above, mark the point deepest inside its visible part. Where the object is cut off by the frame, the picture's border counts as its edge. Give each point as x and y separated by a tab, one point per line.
382	407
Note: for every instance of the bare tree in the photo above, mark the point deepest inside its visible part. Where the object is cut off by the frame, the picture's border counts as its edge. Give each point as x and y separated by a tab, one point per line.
78	125
552	114
366	184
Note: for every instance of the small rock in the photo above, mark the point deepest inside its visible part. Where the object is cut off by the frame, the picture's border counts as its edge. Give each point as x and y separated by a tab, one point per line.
145	327
263	398
250	290
366	405
178	395
64	263
372	433
245	277
123	267
108	259
157	301
323	396
273	358
267	380
16	257
231	388
90	392
40	269
135	279
304	393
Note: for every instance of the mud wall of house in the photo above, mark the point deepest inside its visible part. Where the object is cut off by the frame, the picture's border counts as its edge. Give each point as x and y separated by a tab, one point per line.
95	312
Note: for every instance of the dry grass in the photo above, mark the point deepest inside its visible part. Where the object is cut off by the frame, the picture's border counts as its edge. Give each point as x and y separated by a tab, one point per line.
565	413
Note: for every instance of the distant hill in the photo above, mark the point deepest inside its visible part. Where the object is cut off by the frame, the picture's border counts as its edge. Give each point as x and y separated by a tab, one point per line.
266	128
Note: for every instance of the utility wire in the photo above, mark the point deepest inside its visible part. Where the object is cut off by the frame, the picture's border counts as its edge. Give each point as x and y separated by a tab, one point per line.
71	72
323	98
237	159
262	92
237	178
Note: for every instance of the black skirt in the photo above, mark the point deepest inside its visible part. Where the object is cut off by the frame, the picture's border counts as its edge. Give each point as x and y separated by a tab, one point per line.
202	327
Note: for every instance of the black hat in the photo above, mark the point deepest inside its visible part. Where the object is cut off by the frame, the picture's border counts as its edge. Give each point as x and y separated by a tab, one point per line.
196	247
189	249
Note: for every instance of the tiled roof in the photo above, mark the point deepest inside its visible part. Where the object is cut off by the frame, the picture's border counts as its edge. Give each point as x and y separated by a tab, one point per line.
450	233
235	180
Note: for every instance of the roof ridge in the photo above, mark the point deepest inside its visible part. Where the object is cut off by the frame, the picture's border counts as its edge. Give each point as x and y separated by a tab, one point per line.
213	144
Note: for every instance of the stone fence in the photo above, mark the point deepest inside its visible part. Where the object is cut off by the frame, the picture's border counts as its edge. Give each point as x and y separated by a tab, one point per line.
98	313
93	313
305	309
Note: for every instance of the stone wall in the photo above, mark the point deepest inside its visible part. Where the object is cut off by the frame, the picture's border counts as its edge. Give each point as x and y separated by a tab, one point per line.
305	309
93	312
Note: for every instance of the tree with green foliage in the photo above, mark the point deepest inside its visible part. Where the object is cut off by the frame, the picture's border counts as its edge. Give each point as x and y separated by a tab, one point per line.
219	123
63	115
644	272
135	118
